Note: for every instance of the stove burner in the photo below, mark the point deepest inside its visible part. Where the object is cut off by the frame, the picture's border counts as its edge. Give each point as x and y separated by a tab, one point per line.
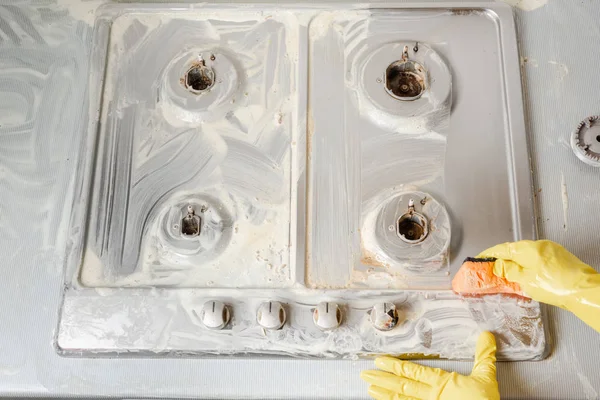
199	78
405	80
412	226
190	224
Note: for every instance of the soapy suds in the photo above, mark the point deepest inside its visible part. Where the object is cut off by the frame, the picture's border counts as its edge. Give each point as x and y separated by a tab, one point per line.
563	70
359	140
381	213
590	392
177	146
83	10
440	324
43	100
565	200
43	62
437	323
526	5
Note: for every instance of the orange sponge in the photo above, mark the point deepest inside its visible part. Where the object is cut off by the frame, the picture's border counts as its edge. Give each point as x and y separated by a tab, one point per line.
476	277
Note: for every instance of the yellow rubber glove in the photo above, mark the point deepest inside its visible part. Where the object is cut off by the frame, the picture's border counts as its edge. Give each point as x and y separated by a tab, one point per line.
404	380
548	273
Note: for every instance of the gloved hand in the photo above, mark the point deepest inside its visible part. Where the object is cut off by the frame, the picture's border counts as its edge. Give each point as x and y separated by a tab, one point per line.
404	380
548	273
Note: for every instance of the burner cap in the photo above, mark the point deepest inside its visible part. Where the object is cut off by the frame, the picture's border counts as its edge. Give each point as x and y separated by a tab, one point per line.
405	80
199	78
585	141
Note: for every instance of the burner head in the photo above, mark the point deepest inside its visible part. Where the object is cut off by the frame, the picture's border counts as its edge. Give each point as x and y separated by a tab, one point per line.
405	80
585	141
412	227
190	224
199	78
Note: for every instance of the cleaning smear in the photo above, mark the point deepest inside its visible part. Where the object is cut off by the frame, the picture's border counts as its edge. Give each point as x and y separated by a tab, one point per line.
526	5
565	200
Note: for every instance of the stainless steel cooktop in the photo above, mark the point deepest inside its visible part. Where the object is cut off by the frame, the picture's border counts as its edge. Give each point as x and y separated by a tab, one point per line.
300	181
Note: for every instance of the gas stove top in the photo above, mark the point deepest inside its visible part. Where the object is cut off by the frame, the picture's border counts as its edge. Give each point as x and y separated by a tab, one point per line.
298	180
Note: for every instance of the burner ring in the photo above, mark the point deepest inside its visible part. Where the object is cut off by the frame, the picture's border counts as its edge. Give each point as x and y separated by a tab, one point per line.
199	79
585	141
412	227
420	106
405	80
199	85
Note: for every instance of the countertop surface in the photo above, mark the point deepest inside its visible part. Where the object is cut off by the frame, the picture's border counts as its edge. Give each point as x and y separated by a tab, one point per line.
44	49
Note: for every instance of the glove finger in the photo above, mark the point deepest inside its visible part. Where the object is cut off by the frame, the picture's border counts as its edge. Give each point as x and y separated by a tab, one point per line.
379	393
503	251
485	357
409	370
523	251
397	384
509	270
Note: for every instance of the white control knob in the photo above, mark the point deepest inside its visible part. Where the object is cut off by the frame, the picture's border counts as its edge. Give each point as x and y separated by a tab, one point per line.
384	316
215	314
271	315
327	316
